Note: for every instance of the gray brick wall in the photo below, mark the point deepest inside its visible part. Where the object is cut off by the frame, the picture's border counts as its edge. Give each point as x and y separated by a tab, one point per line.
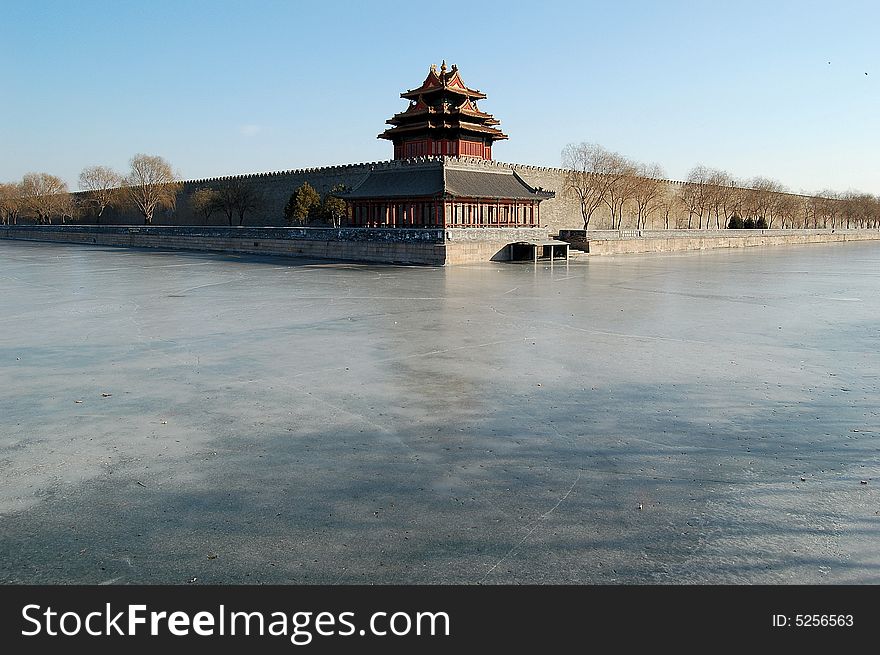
561	212
274	188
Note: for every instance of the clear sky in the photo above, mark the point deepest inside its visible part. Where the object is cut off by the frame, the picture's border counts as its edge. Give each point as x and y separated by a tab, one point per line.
756	88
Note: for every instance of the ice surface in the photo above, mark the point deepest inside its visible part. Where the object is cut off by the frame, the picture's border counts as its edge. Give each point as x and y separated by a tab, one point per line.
687	418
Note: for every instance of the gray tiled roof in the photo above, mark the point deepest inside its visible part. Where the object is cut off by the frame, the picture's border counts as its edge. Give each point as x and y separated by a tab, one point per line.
437	181
484	184
402	183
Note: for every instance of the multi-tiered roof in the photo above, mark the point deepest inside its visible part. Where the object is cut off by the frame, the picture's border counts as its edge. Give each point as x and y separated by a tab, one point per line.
443	119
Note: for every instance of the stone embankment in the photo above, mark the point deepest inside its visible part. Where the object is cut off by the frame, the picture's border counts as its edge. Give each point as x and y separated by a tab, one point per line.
618	242
427	246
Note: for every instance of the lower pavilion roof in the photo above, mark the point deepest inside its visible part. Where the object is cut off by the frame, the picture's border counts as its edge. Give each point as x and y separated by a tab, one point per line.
484	184
443	181
401	183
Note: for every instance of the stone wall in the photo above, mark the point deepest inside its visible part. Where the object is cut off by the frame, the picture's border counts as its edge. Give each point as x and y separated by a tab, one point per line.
559	213
275	188
390	245
602	242
434	247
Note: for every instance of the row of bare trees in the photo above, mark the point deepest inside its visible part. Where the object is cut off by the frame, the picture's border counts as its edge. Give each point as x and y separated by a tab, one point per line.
233	198
710	198
600	178
39	196
43	198
714	198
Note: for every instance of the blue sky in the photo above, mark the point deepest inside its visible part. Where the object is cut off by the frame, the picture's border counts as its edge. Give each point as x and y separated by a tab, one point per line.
231	87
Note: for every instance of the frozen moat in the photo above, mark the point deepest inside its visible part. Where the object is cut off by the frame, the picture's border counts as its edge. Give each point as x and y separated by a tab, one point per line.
703	417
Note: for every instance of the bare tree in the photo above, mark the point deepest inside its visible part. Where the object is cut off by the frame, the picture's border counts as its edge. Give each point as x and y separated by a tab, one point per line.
861	205
668	205
874	211
226	202
806	212
648	192
720	197
621	190
750	203
695	195
10	203
732	198
867	210
68	208
43	195
151	184
688	196
812	211
766	198
102	186
738	201
787	208
828	208
848	209
859	209
592	172
235	198
204	201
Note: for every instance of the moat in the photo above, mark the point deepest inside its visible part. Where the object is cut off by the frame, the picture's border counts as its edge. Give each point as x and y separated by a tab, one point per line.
702	417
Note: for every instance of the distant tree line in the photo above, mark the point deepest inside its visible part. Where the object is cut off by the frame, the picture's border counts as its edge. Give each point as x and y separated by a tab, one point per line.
150	185
623	192
634	193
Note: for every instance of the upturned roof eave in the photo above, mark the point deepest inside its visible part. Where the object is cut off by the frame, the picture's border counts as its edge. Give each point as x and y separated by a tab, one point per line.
495	134
422	91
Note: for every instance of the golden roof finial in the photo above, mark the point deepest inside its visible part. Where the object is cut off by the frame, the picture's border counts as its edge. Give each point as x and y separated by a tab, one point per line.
443	66
434	68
